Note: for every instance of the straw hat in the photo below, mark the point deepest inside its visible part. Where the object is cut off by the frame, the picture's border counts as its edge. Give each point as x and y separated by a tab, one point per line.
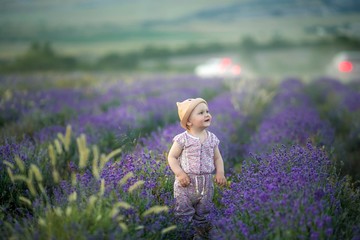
186	107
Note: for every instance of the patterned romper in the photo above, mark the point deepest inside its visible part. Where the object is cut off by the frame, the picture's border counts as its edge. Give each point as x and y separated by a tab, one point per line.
197	160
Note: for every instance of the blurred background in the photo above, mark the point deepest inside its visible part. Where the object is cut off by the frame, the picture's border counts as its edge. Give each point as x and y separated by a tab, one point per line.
264	37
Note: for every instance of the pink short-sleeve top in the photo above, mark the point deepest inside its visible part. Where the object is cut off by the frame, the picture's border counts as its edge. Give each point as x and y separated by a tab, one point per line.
197	157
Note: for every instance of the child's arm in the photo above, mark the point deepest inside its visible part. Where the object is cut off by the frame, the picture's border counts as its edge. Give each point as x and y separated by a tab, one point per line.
219	166
174	164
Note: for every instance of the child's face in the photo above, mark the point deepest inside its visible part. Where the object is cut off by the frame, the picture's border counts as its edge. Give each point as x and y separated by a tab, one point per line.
200	117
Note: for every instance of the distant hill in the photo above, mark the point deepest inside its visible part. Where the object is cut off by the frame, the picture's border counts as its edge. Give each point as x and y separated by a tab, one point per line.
94	26
263	9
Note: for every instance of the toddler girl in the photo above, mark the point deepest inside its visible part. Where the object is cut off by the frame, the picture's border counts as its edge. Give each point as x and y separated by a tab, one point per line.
193	157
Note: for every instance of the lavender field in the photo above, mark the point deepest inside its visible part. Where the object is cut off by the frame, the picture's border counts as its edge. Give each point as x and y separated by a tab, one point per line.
85	157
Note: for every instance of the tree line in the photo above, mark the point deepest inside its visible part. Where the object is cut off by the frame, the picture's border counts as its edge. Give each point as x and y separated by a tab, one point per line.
42	57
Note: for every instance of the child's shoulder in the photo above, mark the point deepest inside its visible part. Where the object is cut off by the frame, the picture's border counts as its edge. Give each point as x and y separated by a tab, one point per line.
180	136
211	134
180	139
183	134
213	137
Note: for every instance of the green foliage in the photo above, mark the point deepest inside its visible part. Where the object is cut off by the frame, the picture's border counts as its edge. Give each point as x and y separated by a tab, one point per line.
10	205
47	119
42	57
155	52
349	195
115	61
98	215
29	124
193	48
106	106
11	116
9	194
84	213
248	42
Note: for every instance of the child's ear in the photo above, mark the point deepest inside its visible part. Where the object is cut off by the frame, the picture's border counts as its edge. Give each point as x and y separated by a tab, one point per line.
188	124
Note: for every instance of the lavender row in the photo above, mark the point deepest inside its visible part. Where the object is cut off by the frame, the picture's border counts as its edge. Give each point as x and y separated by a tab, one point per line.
139	102
290	119
53	109
340	104
335	94
293	191
147	103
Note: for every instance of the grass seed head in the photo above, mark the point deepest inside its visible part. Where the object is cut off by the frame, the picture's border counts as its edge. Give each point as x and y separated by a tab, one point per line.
20	164
67	139
136	186
52	155
9	164
25	200
123	226
72	197
37	173
168	229
42	222
155	210
56	176
122	204
124	179
11	175
68	211
102	187
58	146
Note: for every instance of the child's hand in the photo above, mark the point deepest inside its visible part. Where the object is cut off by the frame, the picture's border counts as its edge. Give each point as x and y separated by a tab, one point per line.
220	179
184	179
